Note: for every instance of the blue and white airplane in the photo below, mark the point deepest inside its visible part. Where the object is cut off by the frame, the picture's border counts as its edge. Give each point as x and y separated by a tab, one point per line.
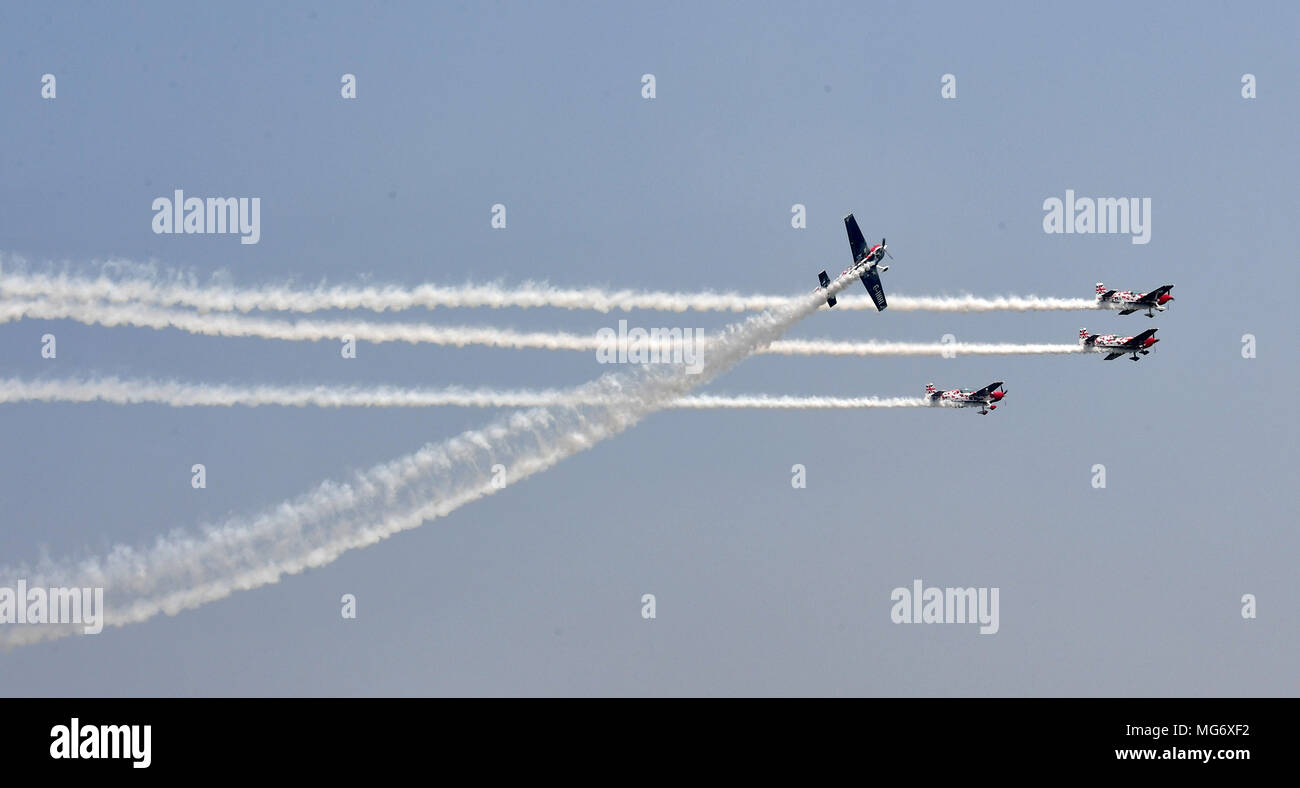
866	264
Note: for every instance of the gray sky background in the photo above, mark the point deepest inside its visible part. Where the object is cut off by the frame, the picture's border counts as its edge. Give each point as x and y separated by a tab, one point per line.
762	589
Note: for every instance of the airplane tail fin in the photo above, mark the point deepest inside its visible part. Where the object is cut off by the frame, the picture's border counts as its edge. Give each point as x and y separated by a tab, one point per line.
929	388
1100	288
1083	335
826	280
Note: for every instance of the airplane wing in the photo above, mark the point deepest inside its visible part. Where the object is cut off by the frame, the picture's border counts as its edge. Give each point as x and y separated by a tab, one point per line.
1127	311
872	280
1154	295
986	391
1113	356
856	242
1137	341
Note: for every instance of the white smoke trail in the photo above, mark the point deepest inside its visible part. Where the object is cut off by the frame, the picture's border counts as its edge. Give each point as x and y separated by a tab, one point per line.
118	391
232	325
149	287
973	303
827	347
768	402
184	570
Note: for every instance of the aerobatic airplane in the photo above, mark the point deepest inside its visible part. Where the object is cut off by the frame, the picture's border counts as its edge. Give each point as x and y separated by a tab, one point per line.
866	264
1129	302
1117	346
986	399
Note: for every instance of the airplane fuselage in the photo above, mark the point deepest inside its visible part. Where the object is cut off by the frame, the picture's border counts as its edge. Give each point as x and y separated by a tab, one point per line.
871	261
1110	303
956	398
1113	344
1109	343
1131	301
1127	301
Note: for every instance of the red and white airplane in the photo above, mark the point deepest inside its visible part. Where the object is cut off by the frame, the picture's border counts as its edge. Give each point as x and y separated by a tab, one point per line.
986	399
1117	346
866	264
1128	302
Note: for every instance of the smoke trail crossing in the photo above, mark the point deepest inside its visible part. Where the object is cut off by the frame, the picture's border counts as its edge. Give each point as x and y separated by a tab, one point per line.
184	570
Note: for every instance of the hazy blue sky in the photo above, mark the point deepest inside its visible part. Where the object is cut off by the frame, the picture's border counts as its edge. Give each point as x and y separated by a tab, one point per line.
761	588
